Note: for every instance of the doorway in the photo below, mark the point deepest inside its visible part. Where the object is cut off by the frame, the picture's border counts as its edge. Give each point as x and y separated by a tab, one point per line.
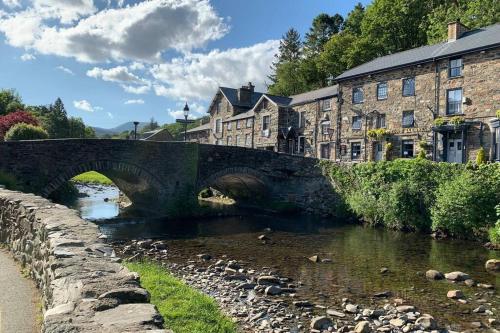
377	149
454	153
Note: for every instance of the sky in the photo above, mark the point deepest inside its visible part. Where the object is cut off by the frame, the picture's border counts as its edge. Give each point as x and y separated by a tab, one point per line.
114	61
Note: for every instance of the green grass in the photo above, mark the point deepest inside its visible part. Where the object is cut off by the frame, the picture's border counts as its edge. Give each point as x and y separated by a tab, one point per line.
92	177
184	309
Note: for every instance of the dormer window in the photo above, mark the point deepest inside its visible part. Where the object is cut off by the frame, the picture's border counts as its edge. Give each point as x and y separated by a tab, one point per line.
455	67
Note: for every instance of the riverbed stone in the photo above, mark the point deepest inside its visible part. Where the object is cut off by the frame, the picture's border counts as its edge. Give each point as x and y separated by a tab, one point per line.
455	294
315	258
457	276
273	290
432	274
351	308
321	323
405	308
363	327
493	265
335	313
267	280
470	283
398	322
427	322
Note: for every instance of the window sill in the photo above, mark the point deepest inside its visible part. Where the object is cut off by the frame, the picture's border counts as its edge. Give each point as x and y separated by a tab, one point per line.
409	95
455	77
381	99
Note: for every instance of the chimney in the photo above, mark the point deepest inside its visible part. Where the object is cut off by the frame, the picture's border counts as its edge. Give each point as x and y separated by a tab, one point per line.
455	30
245	93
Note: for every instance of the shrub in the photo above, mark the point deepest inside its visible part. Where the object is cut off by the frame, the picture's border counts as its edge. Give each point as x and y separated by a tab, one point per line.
24	131
456	120
481	156
422	154
387	153
440	121
494	233
466	204
6	122
498	113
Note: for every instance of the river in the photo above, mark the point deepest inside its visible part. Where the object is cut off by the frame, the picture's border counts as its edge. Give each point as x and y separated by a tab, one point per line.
354	255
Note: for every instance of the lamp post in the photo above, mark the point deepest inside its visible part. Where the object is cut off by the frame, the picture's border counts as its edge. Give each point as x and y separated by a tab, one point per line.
136	123
185	121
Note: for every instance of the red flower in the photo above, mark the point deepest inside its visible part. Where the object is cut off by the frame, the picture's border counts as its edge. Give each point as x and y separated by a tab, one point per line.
6	122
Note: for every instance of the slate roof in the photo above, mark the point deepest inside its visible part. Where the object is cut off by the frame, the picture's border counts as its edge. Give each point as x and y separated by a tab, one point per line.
470	41
243	115
232	95
314	95
200	128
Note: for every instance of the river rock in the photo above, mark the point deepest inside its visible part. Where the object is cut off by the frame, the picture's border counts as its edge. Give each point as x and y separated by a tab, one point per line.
263	237
455	294
272	290
485	286
432	274
315	259
363	327
427	322
351	308
335	313
405	308
476	324
493	265
384	270
204	256
479	309
302	304
470	283
456	276
383	294
321	323
398	322
267	280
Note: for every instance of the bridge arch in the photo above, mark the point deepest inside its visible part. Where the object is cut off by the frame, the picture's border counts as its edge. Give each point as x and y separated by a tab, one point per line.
136	182
239	183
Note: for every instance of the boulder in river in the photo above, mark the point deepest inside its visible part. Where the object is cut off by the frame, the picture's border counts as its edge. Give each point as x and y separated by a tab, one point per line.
272	290
432	274
321	323
455	294
267	280
457	276
493	265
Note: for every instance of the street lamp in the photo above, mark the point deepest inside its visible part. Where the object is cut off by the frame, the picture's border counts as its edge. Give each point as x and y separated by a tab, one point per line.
185	121
136	123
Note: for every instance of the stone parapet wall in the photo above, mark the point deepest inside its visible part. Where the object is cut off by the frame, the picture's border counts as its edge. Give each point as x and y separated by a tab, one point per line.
84	288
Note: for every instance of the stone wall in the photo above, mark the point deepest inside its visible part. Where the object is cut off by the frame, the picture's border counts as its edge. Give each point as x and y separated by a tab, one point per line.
83	286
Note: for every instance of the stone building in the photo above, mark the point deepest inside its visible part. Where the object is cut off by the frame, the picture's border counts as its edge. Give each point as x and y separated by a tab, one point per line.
199	134
440	98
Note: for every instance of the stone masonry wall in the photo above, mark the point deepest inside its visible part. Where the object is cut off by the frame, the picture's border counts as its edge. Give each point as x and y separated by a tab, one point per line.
83	286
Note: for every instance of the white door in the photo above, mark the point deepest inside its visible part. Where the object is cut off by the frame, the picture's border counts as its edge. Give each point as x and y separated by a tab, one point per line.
455	150
378	151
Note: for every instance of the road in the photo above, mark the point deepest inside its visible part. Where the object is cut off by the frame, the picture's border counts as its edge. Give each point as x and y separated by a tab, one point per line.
18	298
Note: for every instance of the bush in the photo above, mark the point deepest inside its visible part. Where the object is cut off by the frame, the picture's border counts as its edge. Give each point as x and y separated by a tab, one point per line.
6	122
481	157
466	204
24	131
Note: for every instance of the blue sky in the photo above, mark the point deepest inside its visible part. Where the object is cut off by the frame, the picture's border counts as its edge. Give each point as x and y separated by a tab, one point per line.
113	61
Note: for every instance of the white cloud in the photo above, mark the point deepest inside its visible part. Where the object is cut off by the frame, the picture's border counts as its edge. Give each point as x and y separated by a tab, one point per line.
27	57
115	74
139	90
65	70
141	31
85	105
178	114
110	115
196	76
134	101
12	3
137	66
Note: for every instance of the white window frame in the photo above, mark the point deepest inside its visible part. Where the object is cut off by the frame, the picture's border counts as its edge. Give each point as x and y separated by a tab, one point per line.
302	119
249	122
237	140
326	101
229	125
238	124
301	148
325	126
264	122
218	125
248	140
229	141
360	123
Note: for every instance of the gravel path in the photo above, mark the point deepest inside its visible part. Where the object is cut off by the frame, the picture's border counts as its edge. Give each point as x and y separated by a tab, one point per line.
18	298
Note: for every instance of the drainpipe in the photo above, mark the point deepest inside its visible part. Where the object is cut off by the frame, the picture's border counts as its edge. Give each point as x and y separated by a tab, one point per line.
339	123
316	123
435	113
253	130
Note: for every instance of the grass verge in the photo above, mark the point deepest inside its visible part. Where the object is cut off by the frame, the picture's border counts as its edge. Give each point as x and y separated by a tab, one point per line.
184	309
93	177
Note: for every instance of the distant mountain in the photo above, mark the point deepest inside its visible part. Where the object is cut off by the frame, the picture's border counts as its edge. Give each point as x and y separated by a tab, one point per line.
118	129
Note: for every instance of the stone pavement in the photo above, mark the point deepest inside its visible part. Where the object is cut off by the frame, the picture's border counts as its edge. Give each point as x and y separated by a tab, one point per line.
18	298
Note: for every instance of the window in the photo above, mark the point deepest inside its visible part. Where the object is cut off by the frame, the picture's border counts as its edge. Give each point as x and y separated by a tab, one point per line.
357	95
408	119
249	122
382	91
356	122
229	141
409	86
355	151
380	121
302	119
266	121
325	126
248	140
325	151
455	67
237	141
301	146
327	105
229	125
218	126
238	124
497	144
407	149
454	101
219	107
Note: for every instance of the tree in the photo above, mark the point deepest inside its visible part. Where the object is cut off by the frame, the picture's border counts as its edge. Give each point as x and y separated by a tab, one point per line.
76	128
56	121
8	121
353	21
24	131
335	57
323	28
151	126
290	50
10	101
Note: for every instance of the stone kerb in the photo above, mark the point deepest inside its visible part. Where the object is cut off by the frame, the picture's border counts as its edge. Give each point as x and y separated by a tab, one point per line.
83	287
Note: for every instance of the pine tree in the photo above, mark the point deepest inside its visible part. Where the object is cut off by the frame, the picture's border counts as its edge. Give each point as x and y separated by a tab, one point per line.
290	50
56	122
323	28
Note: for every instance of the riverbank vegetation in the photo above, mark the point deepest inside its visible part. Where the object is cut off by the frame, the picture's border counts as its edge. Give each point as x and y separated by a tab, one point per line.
184	309
92	177
420	195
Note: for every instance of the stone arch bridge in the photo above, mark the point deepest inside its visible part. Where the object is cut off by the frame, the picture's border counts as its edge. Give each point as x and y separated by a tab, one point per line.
164	176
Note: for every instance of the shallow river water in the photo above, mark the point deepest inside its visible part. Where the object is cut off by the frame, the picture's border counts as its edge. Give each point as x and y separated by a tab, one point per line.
357	255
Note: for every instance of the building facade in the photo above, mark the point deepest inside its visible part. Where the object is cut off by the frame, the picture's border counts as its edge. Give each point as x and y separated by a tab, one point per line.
440	101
